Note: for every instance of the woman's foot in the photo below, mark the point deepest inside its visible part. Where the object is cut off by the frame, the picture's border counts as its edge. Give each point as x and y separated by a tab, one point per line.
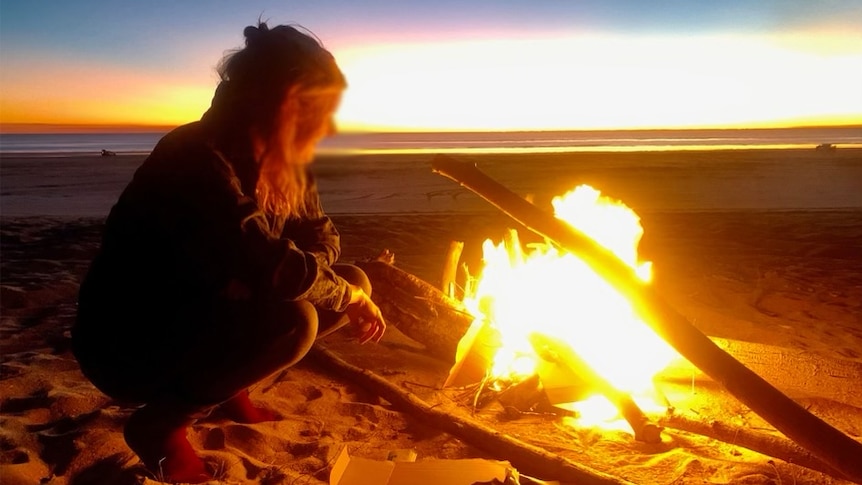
240	409
157	434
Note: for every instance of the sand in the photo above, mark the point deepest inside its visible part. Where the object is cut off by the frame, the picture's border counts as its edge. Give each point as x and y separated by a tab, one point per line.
763	247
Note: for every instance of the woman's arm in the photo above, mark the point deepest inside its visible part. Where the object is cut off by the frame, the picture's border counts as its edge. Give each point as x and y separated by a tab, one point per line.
294	269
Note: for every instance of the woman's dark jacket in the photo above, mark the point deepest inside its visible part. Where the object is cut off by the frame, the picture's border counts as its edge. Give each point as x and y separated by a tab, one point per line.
187	231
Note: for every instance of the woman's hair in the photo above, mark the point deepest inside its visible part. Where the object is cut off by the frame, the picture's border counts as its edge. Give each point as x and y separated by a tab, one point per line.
282	79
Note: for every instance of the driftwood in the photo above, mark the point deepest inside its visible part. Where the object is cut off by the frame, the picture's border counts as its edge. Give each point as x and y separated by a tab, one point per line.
758	441
418	309
525	457
827	443
557	351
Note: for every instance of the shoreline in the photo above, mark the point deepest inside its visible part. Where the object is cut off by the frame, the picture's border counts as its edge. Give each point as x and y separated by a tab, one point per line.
648	182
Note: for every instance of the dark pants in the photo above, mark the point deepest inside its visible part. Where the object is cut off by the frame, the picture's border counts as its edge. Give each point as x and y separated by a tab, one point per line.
246	342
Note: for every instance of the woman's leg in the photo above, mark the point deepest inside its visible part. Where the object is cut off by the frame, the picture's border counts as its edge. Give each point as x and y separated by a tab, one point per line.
255	344
331	321
249	343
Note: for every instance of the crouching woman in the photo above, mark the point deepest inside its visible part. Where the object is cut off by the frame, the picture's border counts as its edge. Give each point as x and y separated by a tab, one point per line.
218	266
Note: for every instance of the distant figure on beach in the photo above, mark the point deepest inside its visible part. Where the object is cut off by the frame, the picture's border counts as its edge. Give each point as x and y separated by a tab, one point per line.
108	153
218	266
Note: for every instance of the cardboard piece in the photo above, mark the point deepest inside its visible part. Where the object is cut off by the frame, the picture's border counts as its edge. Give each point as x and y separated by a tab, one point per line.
363	471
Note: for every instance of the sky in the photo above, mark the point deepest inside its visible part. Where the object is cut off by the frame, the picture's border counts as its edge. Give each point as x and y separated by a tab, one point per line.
449	65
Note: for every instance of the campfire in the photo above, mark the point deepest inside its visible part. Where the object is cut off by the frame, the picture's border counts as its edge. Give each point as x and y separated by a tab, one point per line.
526	298
559	321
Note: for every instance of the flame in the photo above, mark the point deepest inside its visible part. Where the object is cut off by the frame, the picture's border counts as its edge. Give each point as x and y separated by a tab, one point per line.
543	289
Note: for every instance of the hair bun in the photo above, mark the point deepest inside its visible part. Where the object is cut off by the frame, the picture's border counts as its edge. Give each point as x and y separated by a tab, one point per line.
254	34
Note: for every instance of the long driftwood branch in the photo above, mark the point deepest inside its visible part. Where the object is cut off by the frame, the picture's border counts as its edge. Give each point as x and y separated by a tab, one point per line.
527	458
827	443
814	374
758	441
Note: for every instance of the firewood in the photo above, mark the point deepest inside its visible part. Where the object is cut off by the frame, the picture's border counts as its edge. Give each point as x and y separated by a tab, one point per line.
527	458
759	441
449	281
562	354
418	309
827	443
526	396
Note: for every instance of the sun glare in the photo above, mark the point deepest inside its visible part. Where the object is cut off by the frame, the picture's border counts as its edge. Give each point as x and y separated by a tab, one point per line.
595	81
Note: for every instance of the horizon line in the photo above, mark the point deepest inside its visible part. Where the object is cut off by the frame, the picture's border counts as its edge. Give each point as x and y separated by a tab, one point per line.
94	128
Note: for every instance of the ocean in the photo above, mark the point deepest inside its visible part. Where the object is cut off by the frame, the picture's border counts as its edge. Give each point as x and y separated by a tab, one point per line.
59	144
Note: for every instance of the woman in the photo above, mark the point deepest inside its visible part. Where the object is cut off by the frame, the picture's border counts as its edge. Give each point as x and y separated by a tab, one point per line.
218	266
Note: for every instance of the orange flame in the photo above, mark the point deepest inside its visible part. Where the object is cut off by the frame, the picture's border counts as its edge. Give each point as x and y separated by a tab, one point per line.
555	293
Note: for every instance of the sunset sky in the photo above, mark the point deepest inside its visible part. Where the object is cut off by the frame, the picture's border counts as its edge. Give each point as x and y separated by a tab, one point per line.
452	64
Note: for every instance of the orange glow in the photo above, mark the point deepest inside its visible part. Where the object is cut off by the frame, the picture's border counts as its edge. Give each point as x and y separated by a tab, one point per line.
85	93
556	294
588	81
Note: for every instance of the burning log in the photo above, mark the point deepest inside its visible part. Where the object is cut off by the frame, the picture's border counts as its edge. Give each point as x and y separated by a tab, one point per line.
418	309
556	351
747	438
527	458
827	443
524	396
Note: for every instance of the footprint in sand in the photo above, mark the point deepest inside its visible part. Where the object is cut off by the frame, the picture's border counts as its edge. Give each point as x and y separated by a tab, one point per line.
261	451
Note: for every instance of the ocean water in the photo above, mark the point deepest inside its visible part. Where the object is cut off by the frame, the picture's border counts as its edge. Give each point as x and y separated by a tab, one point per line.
481	142
580	141
77	143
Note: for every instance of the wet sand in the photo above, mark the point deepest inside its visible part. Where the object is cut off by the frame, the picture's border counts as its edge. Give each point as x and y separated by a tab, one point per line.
766	179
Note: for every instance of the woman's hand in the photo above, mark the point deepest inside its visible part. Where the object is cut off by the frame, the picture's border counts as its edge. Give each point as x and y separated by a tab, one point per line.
365	316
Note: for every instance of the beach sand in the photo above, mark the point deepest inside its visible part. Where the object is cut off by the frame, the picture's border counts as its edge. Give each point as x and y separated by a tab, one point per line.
762	247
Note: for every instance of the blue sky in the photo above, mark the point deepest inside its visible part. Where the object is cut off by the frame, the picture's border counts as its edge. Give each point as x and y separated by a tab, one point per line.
136	31
180	42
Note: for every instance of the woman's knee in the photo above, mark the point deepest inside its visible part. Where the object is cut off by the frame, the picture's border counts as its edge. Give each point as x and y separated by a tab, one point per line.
307	319
354	275
301	317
